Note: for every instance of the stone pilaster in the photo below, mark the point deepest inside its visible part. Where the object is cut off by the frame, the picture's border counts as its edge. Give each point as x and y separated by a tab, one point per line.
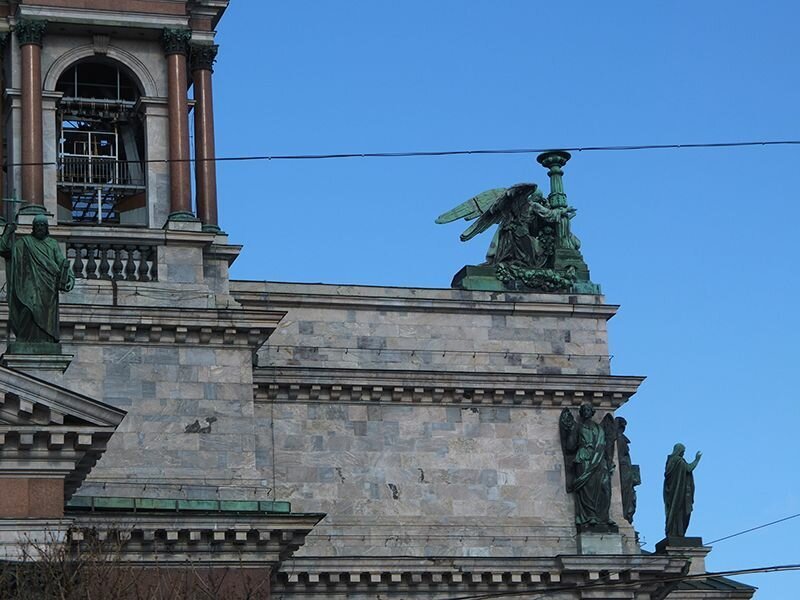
176	48
202	65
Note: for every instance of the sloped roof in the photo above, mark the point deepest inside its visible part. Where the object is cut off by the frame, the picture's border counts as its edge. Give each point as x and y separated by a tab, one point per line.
47	430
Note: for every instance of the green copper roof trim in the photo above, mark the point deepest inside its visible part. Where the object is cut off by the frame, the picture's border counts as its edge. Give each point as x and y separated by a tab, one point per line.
164	504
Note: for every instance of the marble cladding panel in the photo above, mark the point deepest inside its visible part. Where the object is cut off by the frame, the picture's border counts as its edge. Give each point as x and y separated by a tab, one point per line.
422	481
190	417
434	340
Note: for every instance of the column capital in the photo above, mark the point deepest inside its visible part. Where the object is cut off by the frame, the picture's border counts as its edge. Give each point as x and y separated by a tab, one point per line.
176	41
30	31
203	56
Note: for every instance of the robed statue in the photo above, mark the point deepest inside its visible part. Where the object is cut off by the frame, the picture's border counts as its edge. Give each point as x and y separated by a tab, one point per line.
679	491
588	449
629	474
36	271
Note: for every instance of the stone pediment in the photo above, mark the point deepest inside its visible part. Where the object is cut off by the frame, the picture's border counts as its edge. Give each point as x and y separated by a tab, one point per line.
47	431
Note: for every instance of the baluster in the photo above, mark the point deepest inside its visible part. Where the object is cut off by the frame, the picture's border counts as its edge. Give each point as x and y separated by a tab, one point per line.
152	258
77	265
130	265
91	265
116	267
104	266
143	267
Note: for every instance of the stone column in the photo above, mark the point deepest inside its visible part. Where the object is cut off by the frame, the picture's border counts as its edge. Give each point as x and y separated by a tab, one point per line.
3	193
202	60
29	36
176	46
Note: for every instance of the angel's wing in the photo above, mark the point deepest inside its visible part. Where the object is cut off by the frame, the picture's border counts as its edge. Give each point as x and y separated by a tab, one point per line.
568	429
494	214
472	208
566	425
609	426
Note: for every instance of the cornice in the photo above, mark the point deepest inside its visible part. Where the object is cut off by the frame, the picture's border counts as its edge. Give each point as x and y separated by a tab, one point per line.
302	384
67	452
221	328
452	306
418	576
102	18
27	400
211	538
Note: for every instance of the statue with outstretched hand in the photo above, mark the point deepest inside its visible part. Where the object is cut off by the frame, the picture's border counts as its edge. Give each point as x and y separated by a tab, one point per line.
679	491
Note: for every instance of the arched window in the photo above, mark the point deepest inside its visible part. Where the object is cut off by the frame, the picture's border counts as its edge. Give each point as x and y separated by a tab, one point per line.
101	145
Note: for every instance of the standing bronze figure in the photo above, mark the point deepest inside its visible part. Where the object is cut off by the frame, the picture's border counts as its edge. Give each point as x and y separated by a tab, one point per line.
36	272
587	451
629	474
679	491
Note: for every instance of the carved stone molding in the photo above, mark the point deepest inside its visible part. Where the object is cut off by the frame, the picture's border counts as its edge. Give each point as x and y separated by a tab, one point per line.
207	538
160	326
176	41
287	384
203	56
48	431
30	31
427	578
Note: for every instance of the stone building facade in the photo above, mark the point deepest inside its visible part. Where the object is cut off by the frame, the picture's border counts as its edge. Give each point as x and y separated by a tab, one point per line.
348	441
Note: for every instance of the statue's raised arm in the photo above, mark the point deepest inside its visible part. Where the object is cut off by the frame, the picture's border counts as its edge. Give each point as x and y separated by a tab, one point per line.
679	491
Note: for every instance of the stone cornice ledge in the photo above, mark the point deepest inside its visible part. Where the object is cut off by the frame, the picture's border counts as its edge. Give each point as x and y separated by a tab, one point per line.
418	299
219	539
164	326
82	16
302	384
421	575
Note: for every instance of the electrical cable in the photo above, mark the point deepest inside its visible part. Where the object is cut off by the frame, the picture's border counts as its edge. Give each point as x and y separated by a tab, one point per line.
738	533
436	153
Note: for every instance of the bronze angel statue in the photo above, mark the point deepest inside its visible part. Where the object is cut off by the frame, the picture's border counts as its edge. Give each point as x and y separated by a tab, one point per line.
528	225
588	457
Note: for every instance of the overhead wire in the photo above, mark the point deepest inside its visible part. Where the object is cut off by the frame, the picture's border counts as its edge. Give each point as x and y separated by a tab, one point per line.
738	533
437	153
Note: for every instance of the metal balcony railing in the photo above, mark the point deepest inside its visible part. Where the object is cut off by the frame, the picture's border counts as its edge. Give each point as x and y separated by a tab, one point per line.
100	171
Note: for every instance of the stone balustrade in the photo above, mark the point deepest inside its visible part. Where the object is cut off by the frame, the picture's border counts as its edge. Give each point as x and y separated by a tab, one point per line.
106	260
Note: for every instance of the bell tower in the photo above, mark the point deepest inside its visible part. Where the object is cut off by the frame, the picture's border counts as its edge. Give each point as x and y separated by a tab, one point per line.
96	103
96	118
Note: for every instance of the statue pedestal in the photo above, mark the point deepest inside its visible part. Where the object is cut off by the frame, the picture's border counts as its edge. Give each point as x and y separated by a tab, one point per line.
481	278
690	548
28	357
599	543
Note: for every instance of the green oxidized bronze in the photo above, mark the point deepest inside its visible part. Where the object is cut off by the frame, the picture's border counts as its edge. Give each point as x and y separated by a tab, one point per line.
30	31
679	491
588	450
629	474
176	41
203	56
534	248
36	271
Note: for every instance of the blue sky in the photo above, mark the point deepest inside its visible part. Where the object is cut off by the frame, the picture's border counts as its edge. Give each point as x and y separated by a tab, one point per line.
698	246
